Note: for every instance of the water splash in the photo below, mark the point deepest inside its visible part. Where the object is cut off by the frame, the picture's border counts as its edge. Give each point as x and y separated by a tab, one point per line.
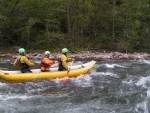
105	74
113	65
142	107
82	81
144	82
2	84
144	61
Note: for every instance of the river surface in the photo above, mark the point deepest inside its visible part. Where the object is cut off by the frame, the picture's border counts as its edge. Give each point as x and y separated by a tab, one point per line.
113	86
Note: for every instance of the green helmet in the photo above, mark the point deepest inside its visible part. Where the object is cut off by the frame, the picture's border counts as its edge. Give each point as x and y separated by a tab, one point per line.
47	52
64	50
21	50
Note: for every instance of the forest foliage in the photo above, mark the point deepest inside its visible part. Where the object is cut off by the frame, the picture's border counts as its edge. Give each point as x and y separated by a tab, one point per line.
122	25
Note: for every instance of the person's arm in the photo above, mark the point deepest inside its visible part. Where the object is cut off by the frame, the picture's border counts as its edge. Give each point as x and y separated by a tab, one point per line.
15	63
25	60
49	62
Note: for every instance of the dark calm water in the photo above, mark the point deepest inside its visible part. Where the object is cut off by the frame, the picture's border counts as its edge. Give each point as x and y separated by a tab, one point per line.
112	87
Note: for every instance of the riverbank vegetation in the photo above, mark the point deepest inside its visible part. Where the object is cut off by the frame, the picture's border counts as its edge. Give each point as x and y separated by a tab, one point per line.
121	25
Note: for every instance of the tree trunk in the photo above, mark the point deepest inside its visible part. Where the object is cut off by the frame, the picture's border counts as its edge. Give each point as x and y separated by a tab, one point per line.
114	10
68	15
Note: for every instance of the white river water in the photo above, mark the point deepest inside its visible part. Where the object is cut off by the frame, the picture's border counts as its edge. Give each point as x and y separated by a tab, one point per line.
113	86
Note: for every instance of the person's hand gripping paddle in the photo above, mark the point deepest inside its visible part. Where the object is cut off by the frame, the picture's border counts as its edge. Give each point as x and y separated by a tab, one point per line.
64	79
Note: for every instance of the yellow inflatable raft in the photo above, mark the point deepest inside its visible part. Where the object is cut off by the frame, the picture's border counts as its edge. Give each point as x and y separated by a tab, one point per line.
75	71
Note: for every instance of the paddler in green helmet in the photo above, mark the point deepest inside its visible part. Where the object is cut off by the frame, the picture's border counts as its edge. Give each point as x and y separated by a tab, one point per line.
22	62
63	59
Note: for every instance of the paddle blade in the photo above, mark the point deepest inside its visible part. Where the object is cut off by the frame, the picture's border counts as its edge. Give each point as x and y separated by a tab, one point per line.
64	80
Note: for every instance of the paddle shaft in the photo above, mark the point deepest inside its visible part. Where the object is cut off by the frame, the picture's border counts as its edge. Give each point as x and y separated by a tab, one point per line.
69	69
65	78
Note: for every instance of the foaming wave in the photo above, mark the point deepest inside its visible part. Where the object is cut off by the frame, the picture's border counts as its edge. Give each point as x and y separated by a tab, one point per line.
96	66
32	87
9	97
148	92
2	84
145	61
113	65
58	81
83	80
106	74
142	106
144	81
128	82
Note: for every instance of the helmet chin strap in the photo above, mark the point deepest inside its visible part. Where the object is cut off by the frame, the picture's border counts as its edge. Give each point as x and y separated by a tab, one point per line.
47	56
22	54
65	54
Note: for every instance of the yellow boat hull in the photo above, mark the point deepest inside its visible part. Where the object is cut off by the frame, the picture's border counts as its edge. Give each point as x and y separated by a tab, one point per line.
45	75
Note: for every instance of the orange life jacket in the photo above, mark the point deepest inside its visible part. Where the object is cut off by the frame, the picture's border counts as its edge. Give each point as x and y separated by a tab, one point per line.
45	64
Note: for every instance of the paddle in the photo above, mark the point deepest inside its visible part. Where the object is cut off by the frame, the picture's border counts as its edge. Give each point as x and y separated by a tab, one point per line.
64	79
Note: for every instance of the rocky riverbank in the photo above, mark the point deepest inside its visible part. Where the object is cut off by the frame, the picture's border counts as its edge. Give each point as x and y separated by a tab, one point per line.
84	55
